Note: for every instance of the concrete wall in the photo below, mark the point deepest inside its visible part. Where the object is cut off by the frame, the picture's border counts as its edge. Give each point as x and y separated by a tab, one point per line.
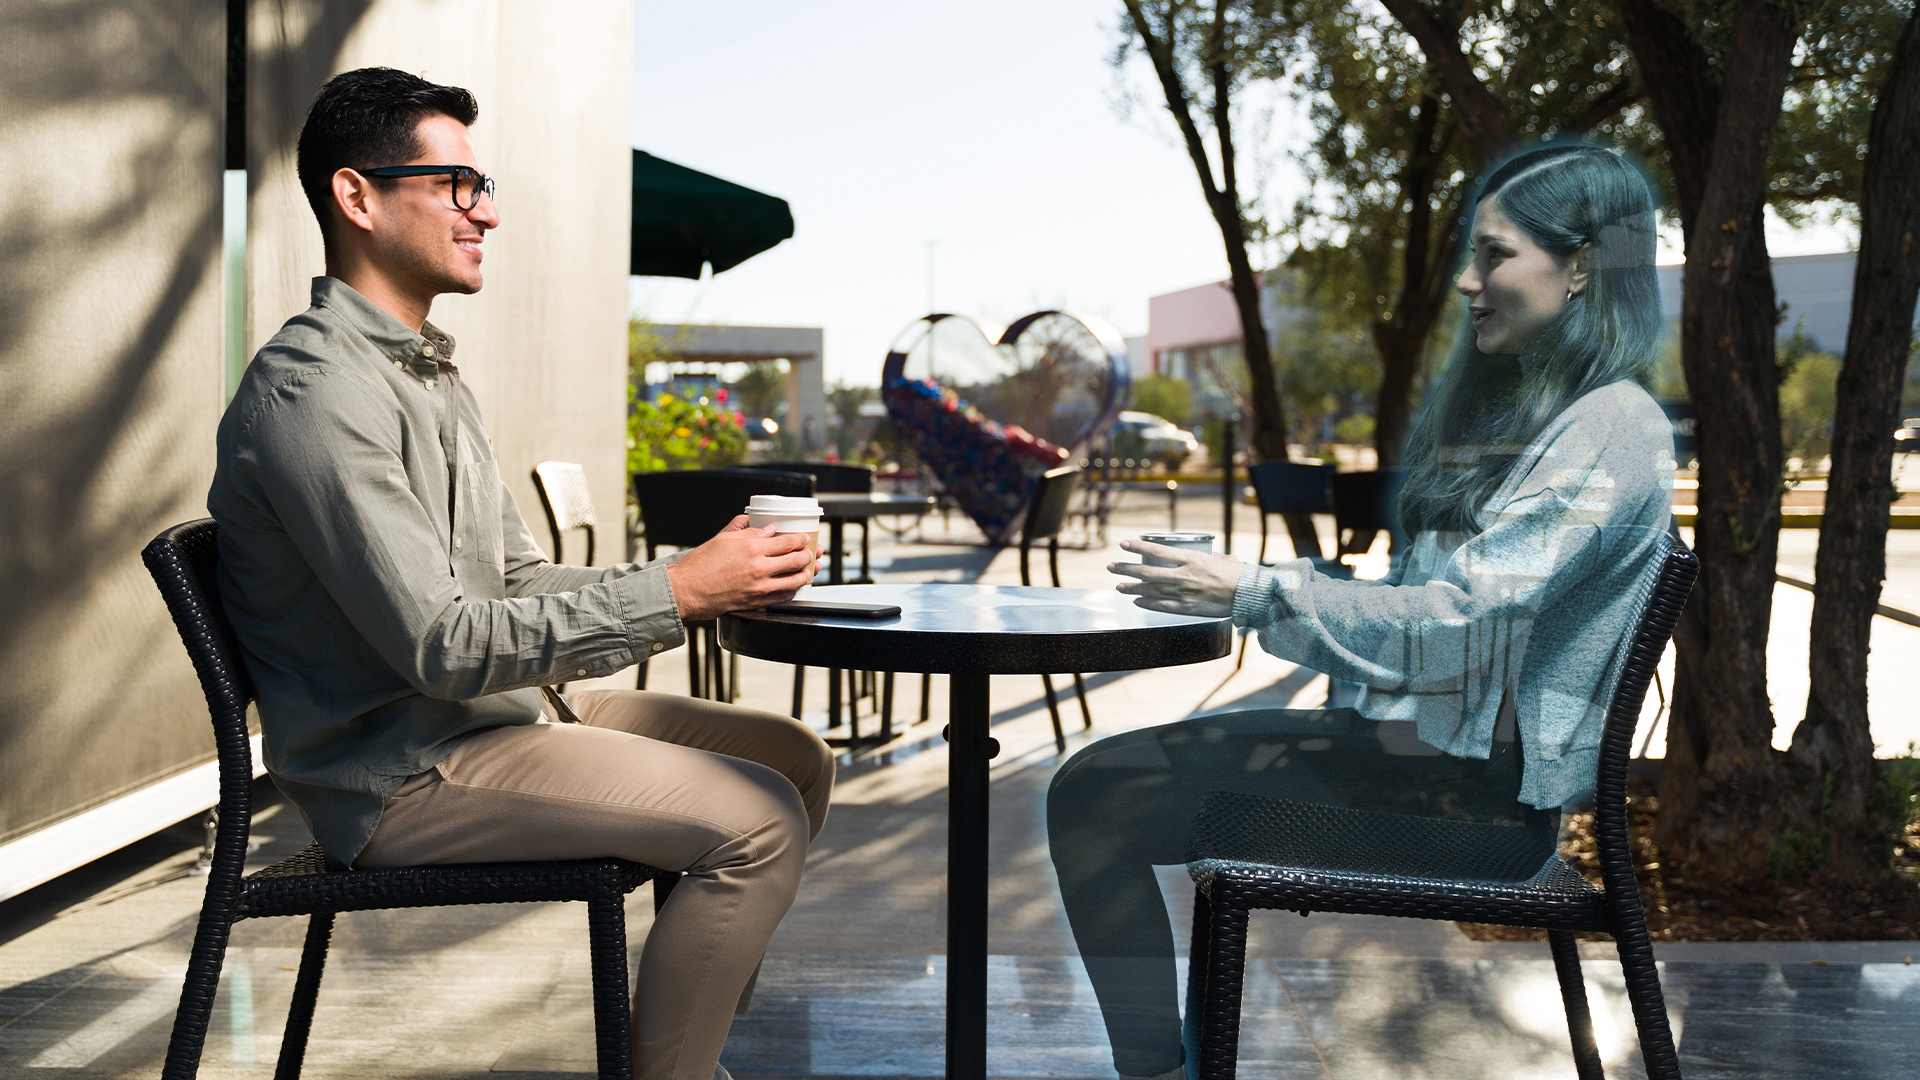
110	383
544	344
112	120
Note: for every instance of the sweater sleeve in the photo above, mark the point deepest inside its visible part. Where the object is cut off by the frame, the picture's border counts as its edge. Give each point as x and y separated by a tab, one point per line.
1458	623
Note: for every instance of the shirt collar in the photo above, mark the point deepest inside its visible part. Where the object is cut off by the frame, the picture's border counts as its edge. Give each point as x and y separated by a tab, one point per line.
422	353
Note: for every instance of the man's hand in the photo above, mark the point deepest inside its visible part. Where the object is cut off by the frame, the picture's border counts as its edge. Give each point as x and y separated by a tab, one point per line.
741	568
1201	584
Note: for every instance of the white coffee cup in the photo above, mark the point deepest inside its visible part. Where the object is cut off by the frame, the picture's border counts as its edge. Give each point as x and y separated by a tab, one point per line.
788	514
1190	541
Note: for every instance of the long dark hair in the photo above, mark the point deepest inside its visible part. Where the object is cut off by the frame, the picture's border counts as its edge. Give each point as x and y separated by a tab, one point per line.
1485	409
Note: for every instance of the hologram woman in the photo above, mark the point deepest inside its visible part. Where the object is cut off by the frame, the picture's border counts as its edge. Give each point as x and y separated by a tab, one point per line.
1536	498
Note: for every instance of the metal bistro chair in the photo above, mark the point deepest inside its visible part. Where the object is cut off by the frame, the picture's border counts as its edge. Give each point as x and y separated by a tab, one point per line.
183	561
1046	515
1363	506
1294	490
568	502
564	495
685	508
1249	853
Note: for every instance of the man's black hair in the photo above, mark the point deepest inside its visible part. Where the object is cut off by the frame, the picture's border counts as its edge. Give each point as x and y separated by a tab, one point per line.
366	119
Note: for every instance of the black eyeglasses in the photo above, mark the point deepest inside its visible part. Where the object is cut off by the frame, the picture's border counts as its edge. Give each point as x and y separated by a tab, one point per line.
468	183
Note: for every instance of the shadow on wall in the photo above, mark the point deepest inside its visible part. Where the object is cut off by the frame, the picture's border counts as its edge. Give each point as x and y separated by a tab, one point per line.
112	119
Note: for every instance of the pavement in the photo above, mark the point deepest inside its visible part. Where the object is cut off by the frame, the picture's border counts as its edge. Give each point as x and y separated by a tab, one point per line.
90	964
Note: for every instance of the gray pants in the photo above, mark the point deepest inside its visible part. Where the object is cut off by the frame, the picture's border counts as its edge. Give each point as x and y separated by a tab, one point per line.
1125	804
730	796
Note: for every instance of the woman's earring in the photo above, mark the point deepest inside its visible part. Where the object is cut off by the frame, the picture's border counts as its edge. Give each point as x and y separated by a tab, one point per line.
1569	294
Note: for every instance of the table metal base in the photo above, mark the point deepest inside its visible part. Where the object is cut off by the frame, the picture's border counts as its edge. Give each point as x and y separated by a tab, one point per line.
968	754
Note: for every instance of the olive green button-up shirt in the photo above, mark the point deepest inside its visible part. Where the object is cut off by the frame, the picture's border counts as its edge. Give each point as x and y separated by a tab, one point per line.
386	593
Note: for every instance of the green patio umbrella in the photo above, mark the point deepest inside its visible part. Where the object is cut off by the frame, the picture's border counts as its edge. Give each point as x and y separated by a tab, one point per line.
683	218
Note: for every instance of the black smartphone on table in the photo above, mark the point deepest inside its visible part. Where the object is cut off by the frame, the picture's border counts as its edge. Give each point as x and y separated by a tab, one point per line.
835	609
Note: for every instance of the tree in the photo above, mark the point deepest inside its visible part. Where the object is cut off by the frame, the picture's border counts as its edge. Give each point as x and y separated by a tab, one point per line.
1400	134
1199	58
761	391
1834	742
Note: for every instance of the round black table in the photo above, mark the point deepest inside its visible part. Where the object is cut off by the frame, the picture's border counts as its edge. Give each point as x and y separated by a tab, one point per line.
971	632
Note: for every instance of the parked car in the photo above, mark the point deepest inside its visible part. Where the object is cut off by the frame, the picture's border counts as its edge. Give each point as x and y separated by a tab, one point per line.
760	433
1144	435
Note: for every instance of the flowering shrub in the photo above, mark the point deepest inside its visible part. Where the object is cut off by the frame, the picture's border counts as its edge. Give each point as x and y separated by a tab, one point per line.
673	433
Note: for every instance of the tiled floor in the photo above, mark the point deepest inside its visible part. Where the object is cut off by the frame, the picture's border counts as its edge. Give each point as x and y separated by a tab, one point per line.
90	965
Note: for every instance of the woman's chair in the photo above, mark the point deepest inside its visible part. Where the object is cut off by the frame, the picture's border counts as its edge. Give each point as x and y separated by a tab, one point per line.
686	508
1247	854
183	561
1046	516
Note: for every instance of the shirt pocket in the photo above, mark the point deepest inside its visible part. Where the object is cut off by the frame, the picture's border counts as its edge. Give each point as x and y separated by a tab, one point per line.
477	540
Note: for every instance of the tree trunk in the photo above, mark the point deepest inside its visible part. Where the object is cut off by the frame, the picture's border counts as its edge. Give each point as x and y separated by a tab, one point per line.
1266	424
1720	792
1425	276
1834	741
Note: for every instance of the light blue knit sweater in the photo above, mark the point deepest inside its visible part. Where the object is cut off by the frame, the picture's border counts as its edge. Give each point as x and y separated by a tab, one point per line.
1538	605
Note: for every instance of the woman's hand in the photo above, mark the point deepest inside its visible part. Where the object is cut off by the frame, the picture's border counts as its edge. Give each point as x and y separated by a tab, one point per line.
1198	584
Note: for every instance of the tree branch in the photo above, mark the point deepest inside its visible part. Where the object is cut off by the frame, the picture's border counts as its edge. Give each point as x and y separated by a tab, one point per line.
1485	120
1160	53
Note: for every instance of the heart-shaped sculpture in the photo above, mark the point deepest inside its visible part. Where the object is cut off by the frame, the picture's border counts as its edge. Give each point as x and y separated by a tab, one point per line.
989	418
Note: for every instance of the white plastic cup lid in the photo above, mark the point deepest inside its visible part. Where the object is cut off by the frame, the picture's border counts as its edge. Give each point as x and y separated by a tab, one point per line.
783	504
1178	539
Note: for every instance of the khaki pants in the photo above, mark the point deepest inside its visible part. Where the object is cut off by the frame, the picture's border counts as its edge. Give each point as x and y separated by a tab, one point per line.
729	796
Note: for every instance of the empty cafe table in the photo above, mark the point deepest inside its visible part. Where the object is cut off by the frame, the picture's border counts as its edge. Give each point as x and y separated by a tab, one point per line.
971	632
840	507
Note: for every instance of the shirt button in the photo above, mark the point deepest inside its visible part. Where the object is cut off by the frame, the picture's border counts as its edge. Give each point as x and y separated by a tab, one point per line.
580	671
426	350
658	645
401	364
456	543
429	384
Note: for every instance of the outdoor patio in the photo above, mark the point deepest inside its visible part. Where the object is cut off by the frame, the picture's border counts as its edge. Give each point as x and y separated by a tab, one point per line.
90	965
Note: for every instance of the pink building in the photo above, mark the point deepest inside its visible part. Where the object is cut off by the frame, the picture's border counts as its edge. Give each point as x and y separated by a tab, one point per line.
1201	317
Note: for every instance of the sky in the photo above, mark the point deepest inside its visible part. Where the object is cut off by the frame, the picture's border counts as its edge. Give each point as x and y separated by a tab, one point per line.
972	150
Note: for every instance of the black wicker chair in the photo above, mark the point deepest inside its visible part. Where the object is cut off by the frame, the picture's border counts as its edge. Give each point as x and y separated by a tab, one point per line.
182	561
1046	516
833	477
1555	898
685	508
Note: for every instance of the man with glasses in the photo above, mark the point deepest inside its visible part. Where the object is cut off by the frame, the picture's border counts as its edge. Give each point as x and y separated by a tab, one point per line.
403	631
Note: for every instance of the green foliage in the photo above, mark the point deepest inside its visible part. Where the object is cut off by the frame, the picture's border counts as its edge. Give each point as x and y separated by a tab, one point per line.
1164	395
1356	429
762	391
672	433
1808	379
1324	362
1899	798
645	345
